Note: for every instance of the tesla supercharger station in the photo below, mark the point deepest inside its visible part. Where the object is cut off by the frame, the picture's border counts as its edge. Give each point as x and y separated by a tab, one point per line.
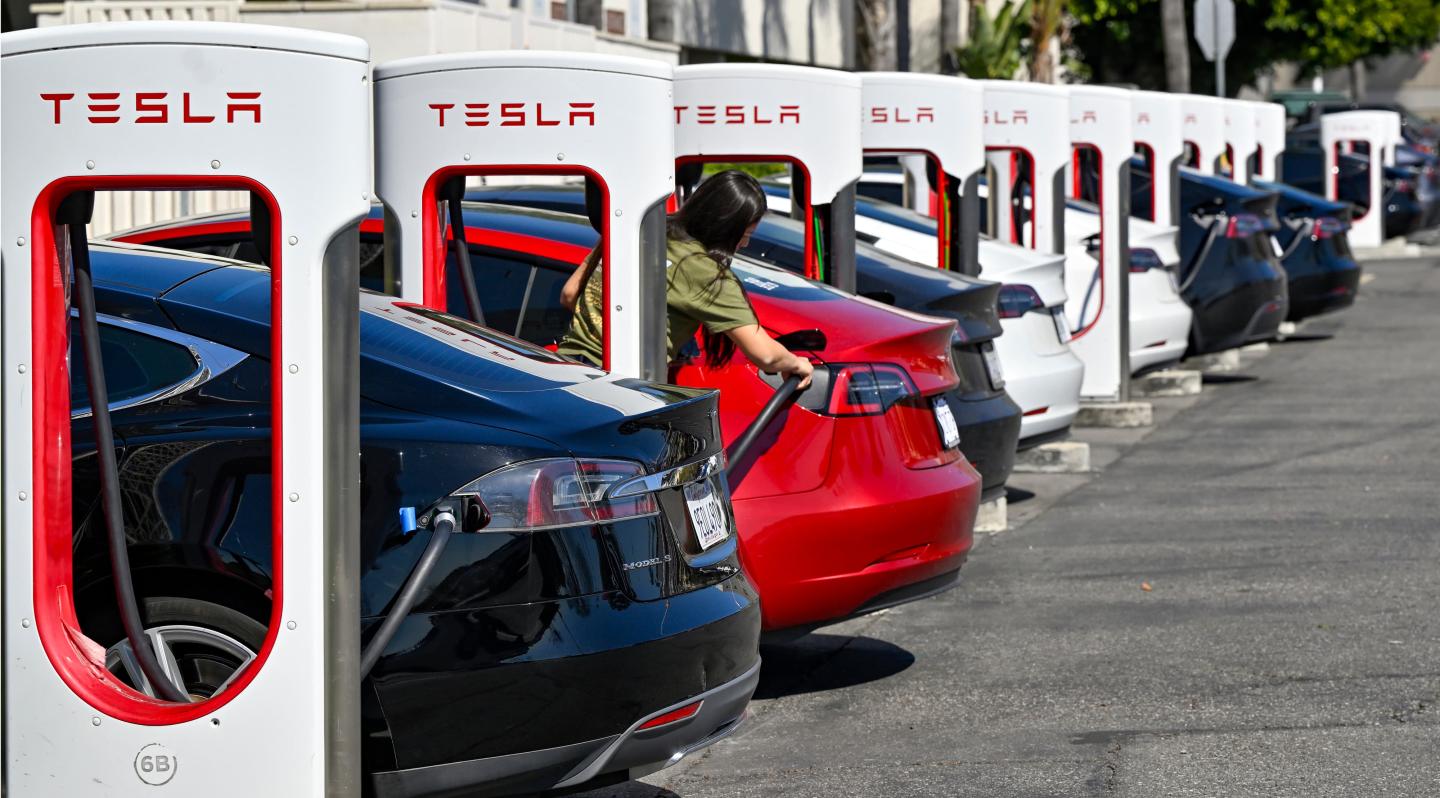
1240	143
1341	132
940	119
1269	140
1027	139
1204	131
1159	137
187	106
804	116
1101	122
606	118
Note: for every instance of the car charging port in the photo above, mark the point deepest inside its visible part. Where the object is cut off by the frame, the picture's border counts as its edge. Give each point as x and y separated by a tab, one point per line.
442	525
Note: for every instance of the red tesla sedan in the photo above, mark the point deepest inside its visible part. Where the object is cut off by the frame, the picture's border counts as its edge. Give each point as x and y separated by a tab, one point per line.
855	499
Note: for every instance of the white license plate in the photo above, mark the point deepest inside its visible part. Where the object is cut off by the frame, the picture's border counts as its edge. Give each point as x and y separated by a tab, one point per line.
992	366
1062	325
949	432
707	515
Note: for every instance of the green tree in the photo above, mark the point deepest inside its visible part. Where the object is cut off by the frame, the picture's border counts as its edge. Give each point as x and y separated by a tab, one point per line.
1121	41
996	48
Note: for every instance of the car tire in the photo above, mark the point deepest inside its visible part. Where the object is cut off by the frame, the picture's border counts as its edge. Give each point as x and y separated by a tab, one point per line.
208	639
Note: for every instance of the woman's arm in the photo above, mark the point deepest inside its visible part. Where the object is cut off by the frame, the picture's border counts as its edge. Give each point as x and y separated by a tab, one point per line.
770	356
570	293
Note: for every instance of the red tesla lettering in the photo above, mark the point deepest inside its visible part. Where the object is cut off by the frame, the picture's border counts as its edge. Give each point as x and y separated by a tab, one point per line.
878	116
159	111
512	114
540	117
441	108
1142	119
1190	119
104	108
755	116
706	114
900	119
1085	116
192	119
734	114
1022	117
678	110
233	108
584	111
789	113
925	113
477	114
57	99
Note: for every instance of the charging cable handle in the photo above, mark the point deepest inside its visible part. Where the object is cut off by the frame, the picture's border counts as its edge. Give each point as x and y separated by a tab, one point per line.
784	395
440	530
454	190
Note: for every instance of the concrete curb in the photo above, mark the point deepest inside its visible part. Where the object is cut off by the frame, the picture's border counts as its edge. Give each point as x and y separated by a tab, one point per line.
1060	457
993	516
1116	415
1171	382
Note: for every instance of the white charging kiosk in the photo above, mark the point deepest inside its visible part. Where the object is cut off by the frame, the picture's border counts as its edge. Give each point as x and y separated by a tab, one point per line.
1240	142
1027	139
187	106
1204	131
605	118
1159	139
939	118
804	116
1269	141
1366	134
1102	128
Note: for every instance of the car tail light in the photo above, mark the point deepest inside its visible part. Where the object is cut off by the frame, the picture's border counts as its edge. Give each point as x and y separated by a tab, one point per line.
557	492
1400	185
1243	225
1017	300
1328	227
867	389
687	711
1143	260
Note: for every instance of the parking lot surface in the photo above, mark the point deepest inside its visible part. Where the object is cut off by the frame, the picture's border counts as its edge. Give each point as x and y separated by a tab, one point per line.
1242	601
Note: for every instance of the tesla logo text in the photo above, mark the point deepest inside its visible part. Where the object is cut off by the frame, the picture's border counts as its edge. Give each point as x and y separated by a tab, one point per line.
1086	117
1191	119
1142	119
898	116
154	107
1017	117
650	563
517	114
738	114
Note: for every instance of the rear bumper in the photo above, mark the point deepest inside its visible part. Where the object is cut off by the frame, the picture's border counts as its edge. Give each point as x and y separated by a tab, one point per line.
1249	313
1159	334
821	556
1324	292
631	754
1042	375
989	430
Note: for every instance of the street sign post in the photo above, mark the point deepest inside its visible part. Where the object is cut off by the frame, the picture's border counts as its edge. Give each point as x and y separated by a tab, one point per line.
1215	32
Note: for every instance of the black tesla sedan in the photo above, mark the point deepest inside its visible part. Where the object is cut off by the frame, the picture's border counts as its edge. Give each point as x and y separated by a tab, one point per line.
577	629
1320	269
988	419
1230	272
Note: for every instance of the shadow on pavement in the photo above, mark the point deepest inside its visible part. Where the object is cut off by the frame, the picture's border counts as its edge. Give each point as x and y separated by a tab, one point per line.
1014	495
1226	379
629	789
819	662
1304	338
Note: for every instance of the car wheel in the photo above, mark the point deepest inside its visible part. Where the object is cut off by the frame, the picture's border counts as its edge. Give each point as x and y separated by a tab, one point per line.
200	645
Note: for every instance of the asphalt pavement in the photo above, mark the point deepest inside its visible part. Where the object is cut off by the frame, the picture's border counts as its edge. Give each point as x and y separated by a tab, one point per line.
1241	601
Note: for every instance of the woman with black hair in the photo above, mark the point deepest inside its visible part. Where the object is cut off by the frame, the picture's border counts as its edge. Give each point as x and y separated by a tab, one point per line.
702	293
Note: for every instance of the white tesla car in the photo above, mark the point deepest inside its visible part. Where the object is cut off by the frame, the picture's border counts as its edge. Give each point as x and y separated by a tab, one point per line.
1042	375
1159	318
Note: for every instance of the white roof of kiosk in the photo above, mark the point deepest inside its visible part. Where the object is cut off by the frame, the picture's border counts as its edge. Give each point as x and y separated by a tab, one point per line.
602	116
1269	139
1159	119
938	115
237	106
1102	118
1204	127
1240	138
1033	117
805	114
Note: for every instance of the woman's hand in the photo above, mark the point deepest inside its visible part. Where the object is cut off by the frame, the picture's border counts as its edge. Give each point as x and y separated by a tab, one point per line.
769	356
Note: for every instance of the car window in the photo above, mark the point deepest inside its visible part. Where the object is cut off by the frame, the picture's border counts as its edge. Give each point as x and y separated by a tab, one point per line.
893	193
500	282
545	320
136	364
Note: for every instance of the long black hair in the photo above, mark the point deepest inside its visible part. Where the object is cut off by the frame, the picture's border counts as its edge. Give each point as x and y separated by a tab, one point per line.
716	216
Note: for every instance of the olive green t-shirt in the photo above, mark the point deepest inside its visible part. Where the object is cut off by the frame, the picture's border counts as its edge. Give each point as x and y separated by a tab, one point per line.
698	294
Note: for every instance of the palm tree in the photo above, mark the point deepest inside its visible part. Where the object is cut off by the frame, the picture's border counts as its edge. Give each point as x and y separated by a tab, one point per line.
995	48
1046	19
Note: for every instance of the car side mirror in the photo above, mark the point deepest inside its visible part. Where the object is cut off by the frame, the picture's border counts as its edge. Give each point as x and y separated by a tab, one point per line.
803	341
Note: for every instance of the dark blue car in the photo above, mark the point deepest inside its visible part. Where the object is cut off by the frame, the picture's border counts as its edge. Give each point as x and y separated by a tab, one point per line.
565	636
1315	251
